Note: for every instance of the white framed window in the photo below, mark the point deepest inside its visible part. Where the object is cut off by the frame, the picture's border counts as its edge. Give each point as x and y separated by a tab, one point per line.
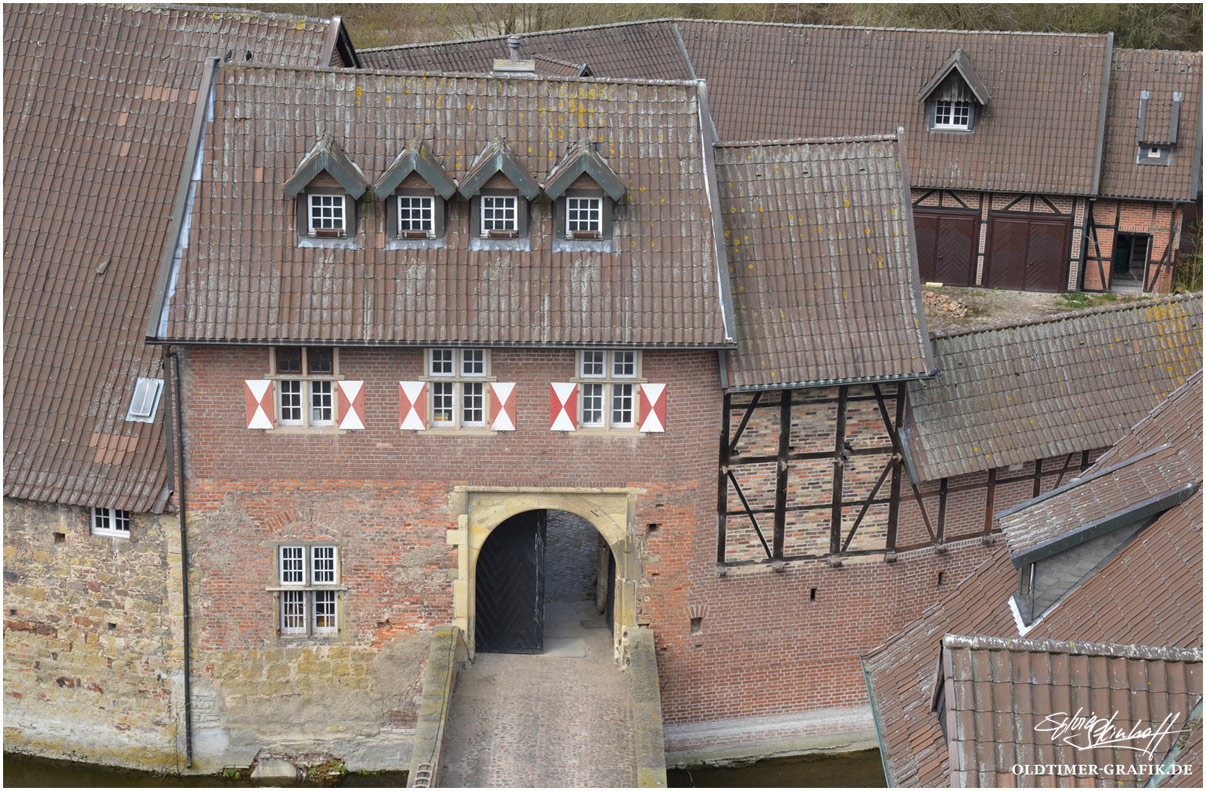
308	580
952	115
305	385
458	387
583	218
499	215
1153	152
416	215
607	386
110	522
328	214
145	401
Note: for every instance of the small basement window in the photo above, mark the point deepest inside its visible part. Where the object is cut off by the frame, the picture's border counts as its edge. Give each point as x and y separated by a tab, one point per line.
145	401
110	522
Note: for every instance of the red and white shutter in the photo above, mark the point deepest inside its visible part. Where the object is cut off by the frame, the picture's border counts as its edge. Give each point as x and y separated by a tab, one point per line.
502	406
651	411
412	405
258	394
350	412
563	403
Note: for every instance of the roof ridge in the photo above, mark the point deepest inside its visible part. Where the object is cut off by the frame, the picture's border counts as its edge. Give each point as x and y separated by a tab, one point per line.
1118	50
602	26
479	75
891	29
1072	314
1167	653
811	140
224	11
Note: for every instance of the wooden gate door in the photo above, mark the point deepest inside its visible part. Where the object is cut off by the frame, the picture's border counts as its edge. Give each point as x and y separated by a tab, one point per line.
946	246
510	587
1027	253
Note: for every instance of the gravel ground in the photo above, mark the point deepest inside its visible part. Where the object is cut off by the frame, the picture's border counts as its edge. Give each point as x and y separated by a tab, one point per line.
951	308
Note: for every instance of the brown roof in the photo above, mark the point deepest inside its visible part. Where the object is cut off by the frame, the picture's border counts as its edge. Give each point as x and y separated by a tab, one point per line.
1001	692
1113	496
825	284
1149	594
98	103
244	276
1013	393
1160	73
646	49
1041	132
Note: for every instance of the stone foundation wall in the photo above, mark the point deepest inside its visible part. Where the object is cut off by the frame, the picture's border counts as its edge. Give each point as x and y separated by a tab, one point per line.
92	659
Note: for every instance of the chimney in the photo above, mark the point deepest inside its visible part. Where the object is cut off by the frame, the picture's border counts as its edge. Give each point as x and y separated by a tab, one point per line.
513	64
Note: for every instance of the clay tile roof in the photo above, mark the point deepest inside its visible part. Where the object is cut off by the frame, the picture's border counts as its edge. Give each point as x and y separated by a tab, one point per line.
825	285
98	101
998	691
1112	498
1161	73
560	68
1012	393
646	49
244	277
772	81
1149	594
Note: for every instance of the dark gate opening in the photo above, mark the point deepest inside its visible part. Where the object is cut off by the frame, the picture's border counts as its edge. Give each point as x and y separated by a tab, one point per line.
534	564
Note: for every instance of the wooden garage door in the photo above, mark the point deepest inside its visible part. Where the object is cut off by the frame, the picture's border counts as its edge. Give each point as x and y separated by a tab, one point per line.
946	246
1027	253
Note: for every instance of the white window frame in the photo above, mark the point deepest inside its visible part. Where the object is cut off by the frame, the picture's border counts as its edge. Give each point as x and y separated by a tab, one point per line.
470	374
592	205
111	522
306	589
311	386
489	201
947	119
427	209
613	386
1153	152
315	200
144	403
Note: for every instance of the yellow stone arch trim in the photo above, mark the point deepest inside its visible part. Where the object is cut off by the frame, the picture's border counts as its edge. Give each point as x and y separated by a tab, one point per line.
481	509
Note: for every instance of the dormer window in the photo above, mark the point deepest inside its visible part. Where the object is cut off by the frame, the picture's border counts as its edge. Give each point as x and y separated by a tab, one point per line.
952	115
1156	141
499	190
954	96
328	215
583	217
326	186
499	216
414	188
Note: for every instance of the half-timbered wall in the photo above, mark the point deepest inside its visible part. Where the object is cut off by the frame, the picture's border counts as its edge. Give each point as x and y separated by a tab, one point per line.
807	473
1159	222
986	205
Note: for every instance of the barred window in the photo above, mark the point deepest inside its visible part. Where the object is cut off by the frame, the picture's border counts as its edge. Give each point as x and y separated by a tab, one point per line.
309	601
610	401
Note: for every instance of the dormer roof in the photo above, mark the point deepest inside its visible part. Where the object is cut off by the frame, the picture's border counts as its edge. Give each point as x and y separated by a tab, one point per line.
582	158
327	155
415	158
959	62
497	158
1158	118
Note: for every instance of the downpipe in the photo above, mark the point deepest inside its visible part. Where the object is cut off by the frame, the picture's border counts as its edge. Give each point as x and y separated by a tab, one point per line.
175	441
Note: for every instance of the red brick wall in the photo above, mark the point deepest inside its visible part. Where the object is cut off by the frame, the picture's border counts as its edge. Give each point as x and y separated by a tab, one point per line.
1162	221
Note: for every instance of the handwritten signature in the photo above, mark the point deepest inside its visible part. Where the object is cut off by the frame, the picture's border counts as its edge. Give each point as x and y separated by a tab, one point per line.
1086	731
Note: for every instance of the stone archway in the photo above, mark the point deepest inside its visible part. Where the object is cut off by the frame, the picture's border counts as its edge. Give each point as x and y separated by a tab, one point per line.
481	509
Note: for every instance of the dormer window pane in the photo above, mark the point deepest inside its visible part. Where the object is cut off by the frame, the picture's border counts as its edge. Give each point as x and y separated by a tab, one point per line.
952	115
327	215
416	214
499	213
583	217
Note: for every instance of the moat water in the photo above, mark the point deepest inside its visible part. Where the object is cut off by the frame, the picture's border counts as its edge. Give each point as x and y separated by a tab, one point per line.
847	770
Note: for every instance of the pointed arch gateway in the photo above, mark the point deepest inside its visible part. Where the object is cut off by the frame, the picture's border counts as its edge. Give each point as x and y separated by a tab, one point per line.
480	510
